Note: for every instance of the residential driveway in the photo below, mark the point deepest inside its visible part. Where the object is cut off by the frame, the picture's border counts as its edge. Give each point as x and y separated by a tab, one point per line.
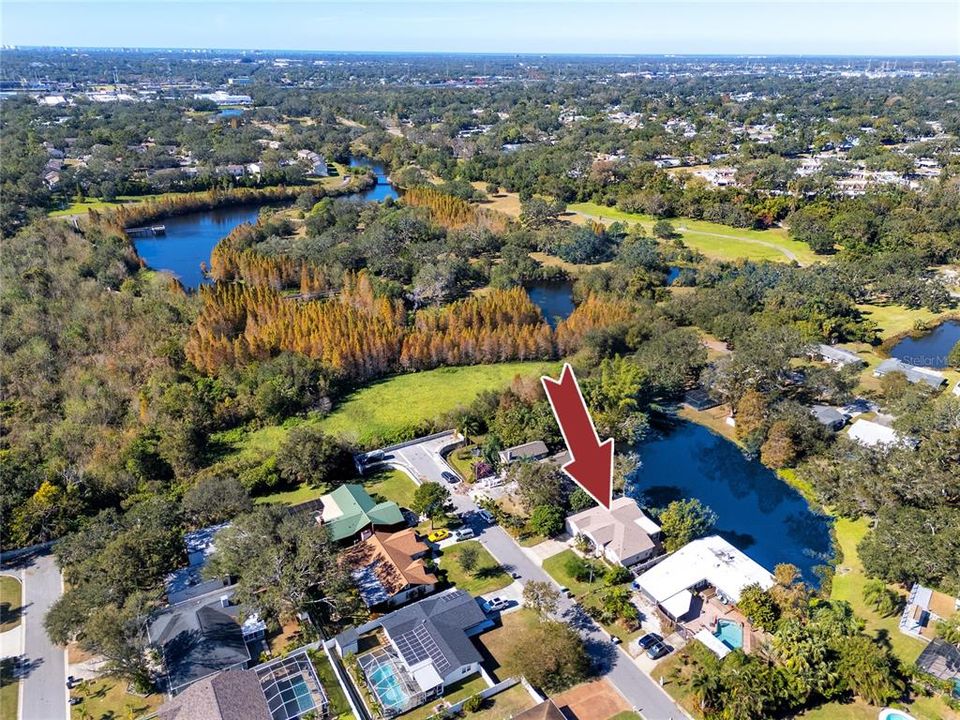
613	663
43	692
642	693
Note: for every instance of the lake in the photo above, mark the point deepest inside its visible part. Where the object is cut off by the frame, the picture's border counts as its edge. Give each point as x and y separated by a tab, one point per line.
383	189
555	299
190	239
757	512
929	349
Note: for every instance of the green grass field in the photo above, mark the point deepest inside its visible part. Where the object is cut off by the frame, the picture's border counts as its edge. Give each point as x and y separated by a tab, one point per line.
715	240
487	577
11	602
394	406
299	495
81	208
390	484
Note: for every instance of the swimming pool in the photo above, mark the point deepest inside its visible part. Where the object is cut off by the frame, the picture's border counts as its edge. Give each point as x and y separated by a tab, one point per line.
889	714
387	686
730	633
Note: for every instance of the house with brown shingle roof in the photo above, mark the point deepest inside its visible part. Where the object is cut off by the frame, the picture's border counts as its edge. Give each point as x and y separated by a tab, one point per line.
388	568
547	710
624	534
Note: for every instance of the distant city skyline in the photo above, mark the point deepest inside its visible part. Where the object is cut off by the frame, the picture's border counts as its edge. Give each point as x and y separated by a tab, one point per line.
781	27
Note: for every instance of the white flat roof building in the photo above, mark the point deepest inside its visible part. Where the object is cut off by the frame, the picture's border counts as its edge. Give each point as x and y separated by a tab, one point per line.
873	434
707	561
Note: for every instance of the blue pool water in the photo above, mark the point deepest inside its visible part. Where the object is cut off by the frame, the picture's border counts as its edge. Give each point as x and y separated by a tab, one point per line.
756	511
387	686
729	633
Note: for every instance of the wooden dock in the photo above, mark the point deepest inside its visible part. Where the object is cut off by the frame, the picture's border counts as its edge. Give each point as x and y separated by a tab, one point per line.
152	230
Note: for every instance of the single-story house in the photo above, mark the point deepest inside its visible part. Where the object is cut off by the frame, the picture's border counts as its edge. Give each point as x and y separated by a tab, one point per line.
425	647
913	373
287	688
350	514
624	534
924	608
535	450
829	417
547	710
709	561
837	356
389	570
872	434
200	637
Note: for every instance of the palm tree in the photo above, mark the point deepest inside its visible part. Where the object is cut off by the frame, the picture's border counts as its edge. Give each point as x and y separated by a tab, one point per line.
706	686
880	597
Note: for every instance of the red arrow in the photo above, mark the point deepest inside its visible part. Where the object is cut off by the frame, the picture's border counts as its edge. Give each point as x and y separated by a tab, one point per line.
591	464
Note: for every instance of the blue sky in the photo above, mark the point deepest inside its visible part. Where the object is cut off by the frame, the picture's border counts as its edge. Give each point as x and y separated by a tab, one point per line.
861	27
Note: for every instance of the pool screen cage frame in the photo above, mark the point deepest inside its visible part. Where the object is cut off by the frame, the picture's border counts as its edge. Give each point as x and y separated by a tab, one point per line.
280	672
384	657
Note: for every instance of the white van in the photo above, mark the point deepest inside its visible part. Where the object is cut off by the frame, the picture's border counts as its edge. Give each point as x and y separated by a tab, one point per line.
465	534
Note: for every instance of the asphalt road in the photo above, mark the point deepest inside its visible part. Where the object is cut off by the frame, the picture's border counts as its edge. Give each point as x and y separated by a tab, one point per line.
43	693
613	663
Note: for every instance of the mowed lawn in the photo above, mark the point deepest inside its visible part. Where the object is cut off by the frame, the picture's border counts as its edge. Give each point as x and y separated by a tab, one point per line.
848	585
398	404
107	699
715	240
486	577
11	602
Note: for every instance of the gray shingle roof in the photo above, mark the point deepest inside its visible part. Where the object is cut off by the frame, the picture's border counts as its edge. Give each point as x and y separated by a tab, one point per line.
436	627
198	638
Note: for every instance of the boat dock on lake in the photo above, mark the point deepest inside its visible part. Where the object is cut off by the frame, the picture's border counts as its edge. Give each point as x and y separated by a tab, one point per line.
150	231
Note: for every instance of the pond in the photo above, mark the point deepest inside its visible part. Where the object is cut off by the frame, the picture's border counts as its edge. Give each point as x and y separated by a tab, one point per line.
230	112
756	511
555	299
383	189
929	349
190	239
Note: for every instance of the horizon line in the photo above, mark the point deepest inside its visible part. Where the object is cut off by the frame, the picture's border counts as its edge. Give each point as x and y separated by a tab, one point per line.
506	53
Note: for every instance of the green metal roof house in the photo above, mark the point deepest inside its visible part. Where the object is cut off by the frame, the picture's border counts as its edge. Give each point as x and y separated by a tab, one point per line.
350	513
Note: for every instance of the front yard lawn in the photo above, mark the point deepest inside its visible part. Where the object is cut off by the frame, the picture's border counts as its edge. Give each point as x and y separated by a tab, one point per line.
391	484
486	577
11	602
588	594
556	567
500	641
108	699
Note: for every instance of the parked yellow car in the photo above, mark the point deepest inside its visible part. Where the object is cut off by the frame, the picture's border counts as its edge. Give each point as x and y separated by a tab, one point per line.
438	535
